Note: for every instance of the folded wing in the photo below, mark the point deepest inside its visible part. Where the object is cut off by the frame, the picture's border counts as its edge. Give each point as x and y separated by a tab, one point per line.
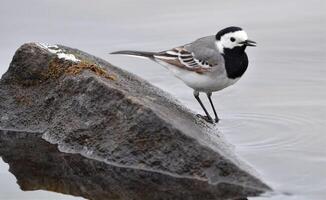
185	59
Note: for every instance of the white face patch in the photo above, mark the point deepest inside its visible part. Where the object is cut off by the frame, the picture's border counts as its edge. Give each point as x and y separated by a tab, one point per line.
231	40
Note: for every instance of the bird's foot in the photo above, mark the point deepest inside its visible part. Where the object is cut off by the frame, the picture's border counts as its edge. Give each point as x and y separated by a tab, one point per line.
208	119
217	120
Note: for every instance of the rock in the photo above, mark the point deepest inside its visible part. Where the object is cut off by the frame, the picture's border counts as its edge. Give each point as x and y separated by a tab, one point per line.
126	138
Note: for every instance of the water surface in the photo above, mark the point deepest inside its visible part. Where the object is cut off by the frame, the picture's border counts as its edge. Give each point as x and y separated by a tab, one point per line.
275	115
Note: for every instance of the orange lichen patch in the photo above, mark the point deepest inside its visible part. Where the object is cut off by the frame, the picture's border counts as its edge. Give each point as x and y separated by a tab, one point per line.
57	68
77	68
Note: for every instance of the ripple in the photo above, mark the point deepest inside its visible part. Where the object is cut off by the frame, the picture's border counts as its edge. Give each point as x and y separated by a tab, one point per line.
269	131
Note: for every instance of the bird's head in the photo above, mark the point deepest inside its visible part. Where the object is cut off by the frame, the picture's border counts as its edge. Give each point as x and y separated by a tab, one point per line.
232	38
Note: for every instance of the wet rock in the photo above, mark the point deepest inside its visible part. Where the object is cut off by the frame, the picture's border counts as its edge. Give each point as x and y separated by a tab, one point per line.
137	134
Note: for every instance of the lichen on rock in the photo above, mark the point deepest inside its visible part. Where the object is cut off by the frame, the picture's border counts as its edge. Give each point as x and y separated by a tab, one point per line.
77	68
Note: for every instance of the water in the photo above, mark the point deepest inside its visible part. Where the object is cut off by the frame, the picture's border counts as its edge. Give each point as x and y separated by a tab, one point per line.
275	115
10	190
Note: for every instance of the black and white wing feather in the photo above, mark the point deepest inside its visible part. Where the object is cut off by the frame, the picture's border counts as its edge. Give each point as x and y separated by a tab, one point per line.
199	56
181	57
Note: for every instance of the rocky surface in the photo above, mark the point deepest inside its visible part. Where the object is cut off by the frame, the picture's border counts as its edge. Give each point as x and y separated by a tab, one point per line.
138	141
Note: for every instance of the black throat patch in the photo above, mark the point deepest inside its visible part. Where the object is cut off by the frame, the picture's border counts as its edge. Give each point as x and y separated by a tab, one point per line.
236	61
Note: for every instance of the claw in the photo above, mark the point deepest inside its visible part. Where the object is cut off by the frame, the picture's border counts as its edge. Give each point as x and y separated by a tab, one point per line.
207	118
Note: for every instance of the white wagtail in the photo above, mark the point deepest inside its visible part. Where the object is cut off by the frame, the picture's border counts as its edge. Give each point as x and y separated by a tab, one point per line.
208	64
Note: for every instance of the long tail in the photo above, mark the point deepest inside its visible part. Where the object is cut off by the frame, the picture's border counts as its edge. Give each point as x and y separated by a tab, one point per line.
143	54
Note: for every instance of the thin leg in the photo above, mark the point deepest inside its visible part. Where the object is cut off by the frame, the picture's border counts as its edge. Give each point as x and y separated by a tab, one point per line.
209	95
208	117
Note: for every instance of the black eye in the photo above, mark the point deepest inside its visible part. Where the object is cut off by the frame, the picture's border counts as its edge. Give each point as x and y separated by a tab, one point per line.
232	39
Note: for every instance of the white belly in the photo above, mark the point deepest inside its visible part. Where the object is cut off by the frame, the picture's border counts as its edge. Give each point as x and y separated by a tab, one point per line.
205	82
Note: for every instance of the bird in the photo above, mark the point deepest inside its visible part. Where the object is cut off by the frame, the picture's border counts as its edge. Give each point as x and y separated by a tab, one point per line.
208	64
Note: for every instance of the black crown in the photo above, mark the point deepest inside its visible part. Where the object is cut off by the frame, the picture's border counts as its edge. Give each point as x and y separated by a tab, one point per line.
227	30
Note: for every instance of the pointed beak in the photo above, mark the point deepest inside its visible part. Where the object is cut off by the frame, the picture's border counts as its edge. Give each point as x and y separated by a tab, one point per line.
249	43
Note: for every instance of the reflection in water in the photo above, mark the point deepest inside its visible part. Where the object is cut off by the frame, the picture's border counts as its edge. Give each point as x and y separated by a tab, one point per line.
38	165
10	190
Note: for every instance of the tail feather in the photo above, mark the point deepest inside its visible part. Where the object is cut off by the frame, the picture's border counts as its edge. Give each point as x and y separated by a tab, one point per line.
136	53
